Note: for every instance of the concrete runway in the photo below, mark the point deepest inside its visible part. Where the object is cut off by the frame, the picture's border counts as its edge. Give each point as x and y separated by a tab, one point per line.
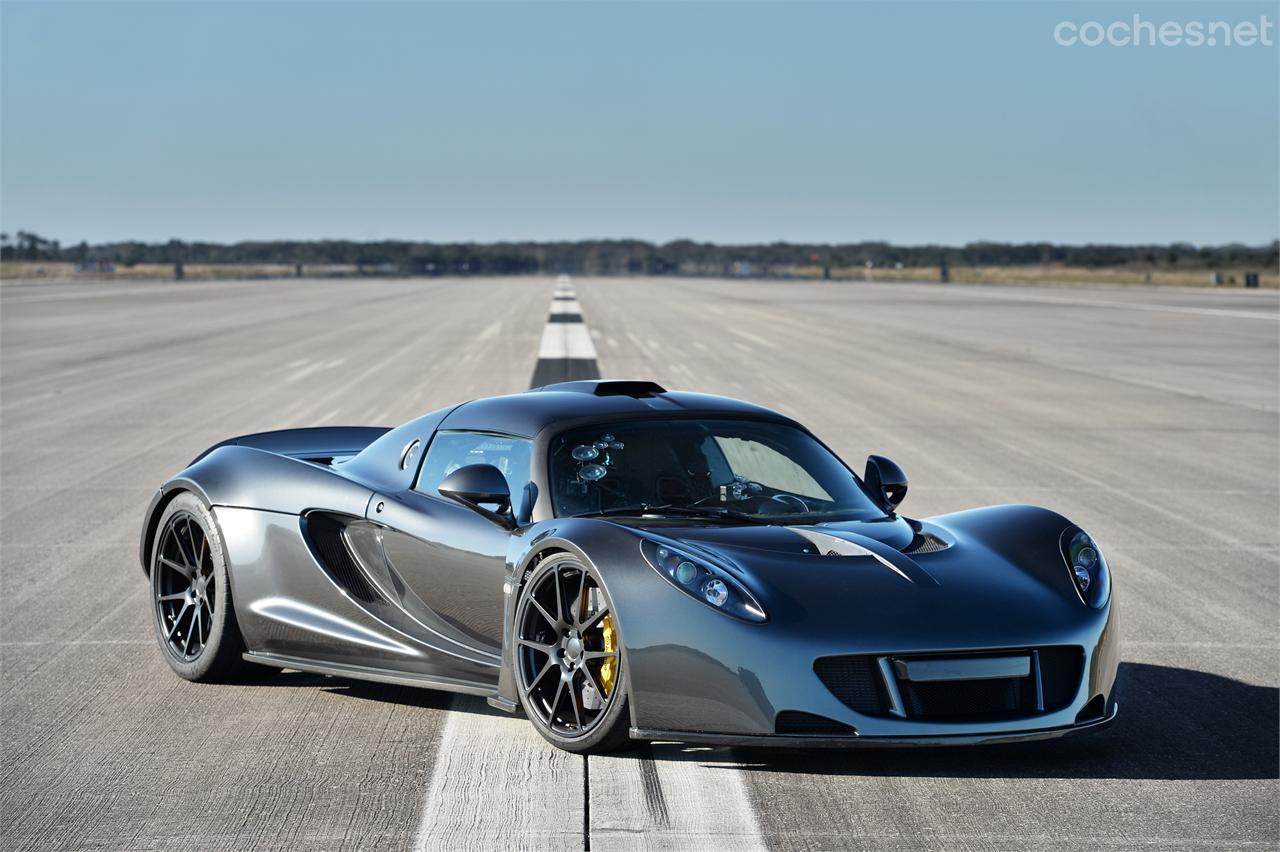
1150	417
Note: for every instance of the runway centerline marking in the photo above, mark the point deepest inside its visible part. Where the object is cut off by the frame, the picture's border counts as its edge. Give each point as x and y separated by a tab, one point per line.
496	784
566	352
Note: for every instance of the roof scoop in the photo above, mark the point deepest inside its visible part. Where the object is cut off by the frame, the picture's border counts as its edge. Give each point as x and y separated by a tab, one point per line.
608	387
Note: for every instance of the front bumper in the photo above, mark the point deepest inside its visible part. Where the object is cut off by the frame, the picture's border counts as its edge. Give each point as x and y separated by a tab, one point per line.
859	741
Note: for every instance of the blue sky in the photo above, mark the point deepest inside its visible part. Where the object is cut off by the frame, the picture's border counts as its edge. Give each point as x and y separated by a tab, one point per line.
730	122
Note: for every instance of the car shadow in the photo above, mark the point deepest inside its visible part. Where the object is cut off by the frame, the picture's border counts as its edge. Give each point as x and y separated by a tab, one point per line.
1174	724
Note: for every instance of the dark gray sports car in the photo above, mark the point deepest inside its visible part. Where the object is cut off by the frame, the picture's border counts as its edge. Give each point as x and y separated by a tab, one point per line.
626	563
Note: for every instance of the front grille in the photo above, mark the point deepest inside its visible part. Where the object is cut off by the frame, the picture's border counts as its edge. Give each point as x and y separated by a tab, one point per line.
856	682
969	700
796	722
1060	671
859	683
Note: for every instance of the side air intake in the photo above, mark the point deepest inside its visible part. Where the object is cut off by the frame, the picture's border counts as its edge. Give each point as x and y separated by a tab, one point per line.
324	532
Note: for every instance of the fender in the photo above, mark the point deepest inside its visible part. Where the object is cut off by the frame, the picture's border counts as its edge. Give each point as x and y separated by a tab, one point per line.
1028	537
249	478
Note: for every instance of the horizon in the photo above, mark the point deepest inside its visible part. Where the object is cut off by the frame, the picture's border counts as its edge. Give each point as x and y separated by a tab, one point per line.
931	124
71	244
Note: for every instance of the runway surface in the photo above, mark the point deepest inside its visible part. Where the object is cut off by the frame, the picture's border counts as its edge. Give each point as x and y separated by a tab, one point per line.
1150	417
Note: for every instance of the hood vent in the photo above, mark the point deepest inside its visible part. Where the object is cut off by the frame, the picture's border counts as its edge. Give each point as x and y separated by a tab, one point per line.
925	543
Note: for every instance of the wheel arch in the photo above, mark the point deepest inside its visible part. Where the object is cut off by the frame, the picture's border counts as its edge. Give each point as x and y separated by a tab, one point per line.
602	546
155	511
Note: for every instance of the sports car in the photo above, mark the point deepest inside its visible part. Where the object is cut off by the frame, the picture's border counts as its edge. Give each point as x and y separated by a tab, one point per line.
622	563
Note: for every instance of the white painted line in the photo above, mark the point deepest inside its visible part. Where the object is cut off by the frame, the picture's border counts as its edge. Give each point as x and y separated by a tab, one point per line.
679	800
566	307
497	785
566	340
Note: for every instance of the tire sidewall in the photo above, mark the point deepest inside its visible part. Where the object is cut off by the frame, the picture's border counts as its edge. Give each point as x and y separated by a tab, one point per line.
200	667
618	712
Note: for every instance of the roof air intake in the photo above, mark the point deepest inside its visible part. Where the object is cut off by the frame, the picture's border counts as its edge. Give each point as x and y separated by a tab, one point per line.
608	388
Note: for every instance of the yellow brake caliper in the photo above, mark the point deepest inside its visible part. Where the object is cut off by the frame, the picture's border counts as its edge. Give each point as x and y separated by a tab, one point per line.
610	667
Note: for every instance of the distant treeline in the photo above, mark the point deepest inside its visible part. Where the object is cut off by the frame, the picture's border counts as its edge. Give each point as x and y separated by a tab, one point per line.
622	257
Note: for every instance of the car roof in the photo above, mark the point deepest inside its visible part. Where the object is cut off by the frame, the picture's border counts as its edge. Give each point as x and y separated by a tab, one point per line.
526	414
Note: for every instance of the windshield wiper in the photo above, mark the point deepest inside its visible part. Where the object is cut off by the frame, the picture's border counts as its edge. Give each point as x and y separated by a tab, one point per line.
709	512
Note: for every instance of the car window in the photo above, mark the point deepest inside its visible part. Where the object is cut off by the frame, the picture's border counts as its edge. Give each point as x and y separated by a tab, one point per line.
758	462
451	450
771	470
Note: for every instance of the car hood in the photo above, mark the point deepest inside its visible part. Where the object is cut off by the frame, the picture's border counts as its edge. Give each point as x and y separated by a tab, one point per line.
856	572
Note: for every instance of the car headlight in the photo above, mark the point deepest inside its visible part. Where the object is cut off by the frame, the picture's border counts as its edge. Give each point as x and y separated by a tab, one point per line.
700	578
1088	568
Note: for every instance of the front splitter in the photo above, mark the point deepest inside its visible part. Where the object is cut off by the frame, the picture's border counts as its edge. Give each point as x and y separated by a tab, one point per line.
859	741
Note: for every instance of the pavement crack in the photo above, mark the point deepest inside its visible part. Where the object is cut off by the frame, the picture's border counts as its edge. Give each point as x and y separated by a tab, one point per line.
586	803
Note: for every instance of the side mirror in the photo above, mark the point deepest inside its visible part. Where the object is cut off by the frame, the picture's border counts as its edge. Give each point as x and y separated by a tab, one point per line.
886	482
480	483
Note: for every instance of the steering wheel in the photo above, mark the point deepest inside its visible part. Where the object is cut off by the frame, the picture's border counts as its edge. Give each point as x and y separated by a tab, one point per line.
790	500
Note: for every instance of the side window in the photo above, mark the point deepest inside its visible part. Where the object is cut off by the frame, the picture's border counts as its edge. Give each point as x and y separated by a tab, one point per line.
767	466
449	451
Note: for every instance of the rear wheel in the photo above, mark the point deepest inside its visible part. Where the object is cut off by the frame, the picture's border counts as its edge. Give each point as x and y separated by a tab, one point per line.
568	658
191	597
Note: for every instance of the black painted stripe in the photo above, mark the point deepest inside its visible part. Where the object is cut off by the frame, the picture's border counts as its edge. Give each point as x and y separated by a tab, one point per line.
565	298
551	370
565	318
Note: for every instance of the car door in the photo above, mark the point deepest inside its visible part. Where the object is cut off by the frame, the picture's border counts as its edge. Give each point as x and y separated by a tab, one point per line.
450	561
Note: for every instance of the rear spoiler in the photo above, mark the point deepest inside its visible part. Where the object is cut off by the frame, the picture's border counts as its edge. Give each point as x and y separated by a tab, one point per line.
321	443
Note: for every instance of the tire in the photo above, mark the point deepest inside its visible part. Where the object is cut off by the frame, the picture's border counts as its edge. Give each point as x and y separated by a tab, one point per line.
573	651
191	603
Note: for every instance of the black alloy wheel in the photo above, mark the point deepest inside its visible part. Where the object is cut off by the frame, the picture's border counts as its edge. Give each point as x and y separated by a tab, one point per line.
568	658
186	587
191	597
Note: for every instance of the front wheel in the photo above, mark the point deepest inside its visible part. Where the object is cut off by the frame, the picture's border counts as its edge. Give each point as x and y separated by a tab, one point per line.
191	596
568	658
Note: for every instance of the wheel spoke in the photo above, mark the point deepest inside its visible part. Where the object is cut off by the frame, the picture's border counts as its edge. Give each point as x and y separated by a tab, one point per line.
599	655
184	570
573	699
559	597
177	619
182	548
586	670
550	664
204	545
555	702
176	596
580	605
540	647
191	543
551	622
186	645
591	622
188	556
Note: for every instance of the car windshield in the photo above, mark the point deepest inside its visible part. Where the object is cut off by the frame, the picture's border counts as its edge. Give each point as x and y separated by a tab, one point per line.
739	469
